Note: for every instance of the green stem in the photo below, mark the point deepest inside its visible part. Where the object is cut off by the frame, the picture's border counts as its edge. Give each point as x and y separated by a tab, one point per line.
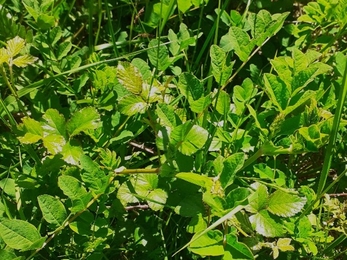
333	134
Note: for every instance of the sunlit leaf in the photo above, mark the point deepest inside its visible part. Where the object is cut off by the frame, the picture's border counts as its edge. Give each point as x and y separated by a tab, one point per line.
209	244
83	120
130	77
265	225
24	60
19	234
53	210
284	204
157	195
15	46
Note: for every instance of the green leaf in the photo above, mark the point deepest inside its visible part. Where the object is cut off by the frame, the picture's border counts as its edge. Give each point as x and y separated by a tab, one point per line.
265	225
130	77
94	178
188	138
83	120
8	186
19	234
63	49
236	250
54	143
232	165
157	195
15	46
198	106
45	22
258	200
8	255
71	187
144	69
284	204
190	86
53	209
220	64
223	103
184	5
237	40
158	55
277	91
34	131
71	153
197	179
166	115
55	122
130	105
184	37
190	206
209	244
237	197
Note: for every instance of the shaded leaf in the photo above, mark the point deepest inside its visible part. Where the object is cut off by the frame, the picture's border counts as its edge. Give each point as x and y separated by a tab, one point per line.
232	165
236	250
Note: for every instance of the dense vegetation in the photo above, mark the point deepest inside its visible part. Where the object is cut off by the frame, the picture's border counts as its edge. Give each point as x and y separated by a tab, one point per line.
173	129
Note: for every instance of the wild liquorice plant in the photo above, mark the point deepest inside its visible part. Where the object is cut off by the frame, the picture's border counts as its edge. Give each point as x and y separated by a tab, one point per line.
157	154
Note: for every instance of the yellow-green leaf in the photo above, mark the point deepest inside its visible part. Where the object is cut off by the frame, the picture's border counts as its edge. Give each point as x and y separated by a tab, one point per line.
24	60
14	46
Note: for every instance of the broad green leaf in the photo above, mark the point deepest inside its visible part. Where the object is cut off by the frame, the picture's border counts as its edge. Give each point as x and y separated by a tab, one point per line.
94	178
19	234
198	106
223	103
237	40
188	138
130	77
197	223
8	186
340	60
45	22
284	204
15	46
174	46
81	203
190	206
71	186
24	60
236	250
125	194
237	197
144	183
55	35
184	37
53	210
190	86
166	115
258	200
54	143
220	64
130	105
158	55
144	69
34	131
299	100
71	153
209	244
157	195
184	5
83	120
277	91
284	68
265	225
8	255
63	49
55	122
232	165
197	179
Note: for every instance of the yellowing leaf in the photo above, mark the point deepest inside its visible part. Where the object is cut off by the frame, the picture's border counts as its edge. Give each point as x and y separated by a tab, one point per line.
4	56
284	244
130	77
24	60
15	45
